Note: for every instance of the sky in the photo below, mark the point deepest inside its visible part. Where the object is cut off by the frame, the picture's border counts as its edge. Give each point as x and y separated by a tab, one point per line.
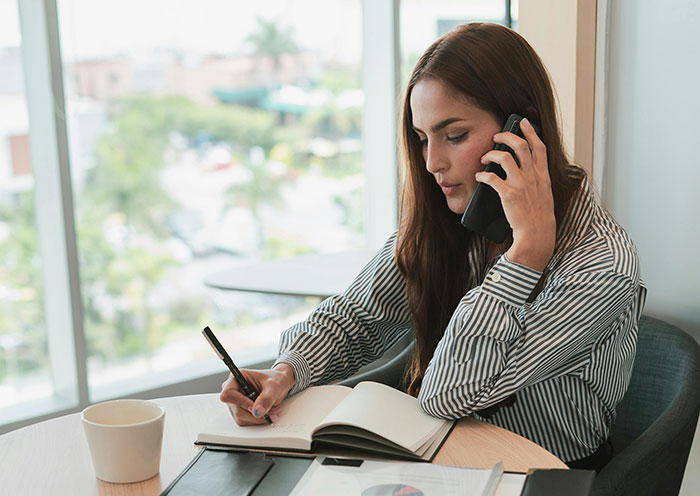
98	28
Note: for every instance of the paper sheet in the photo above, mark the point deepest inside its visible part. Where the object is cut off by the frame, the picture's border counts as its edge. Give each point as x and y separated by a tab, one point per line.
377	478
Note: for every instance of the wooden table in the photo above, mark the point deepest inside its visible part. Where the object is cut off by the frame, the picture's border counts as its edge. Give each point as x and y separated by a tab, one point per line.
52	457
318	276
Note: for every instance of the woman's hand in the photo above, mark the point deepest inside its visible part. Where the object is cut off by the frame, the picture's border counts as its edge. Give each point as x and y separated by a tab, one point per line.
526	195
272	385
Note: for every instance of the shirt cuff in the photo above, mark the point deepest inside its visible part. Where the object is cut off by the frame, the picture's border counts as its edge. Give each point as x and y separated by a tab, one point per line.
510	282
302	372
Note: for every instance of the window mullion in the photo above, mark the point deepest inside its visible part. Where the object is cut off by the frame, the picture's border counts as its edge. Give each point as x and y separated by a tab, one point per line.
54	201
380	82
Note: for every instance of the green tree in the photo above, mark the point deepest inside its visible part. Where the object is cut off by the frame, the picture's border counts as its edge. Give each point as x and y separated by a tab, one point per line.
121	194
272	41
133	276
333	122
95	254
124	180
260	189
19	251
20	277
240	126
340	80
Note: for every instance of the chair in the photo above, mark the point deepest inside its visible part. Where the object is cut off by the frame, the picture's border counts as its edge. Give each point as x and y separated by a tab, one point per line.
656	419
389	373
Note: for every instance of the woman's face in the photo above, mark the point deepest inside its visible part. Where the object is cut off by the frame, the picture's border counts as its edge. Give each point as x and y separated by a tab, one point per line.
454	134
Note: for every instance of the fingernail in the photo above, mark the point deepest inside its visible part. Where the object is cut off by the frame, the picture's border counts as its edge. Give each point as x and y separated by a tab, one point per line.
257	412
274	418
526	121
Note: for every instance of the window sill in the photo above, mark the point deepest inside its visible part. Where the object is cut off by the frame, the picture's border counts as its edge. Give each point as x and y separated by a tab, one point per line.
200	377
22	414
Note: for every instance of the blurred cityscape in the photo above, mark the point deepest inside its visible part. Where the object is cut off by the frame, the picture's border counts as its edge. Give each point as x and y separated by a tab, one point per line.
182	165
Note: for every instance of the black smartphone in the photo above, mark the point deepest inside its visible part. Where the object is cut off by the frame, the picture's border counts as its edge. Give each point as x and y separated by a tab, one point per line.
484	214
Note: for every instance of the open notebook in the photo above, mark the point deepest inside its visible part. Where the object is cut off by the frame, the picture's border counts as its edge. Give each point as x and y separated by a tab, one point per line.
371	418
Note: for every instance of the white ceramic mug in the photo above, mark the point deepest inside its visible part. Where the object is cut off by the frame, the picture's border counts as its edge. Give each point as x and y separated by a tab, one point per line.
125	439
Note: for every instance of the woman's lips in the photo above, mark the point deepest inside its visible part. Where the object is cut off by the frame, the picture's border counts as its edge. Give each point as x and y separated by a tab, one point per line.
449	189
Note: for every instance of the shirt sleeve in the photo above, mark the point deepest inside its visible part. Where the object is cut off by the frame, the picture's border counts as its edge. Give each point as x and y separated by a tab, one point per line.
352	329
496	344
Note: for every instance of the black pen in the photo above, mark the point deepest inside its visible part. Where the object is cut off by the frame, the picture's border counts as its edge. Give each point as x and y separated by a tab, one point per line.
221	352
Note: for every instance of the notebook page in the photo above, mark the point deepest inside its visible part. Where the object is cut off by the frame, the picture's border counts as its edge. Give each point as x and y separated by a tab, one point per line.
298	417
388	412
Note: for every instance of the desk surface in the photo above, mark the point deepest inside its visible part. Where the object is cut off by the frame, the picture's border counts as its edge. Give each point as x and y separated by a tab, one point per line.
306	275
52	457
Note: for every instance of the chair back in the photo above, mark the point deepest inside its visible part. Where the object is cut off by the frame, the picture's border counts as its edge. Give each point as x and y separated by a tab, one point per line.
656	419
390	373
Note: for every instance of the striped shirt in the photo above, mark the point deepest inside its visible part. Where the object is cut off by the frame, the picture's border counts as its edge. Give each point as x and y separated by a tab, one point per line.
566	355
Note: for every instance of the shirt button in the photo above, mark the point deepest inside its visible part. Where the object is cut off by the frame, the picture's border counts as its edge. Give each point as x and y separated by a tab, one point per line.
496	277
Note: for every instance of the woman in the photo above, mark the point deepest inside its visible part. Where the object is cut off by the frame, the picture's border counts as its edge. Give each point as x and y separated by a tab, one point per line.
537	334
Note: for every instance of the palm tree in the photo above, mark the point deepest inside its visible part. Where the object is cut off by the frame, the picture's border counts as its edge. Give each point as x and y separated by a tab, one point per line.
272	41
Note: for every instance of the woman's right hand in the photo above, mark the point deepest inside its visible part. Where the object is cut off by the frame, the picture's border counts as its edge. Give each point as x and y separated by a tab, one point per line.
272	386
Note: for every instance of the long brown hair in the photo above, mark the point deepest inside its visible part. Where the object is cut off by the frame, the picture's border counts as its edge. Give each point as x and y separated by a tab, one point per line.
495	69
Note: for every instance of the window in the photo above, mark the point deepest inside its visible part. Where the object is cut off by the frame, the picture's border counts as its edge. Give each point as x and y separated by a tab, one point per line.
171	142
218	136
423	21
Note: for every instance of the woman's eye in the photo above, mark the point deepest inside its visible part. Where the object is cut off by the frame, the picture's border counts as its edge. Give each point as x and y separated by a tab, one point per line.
457	138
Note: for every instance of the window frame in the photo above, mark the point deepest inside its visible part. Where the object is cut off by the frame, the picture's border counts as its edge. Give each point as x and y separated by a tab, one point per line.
41	60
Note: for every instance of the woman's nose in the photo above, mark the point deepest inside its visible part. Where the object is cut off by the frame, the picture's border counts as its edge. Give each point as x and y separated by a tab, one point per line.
434	159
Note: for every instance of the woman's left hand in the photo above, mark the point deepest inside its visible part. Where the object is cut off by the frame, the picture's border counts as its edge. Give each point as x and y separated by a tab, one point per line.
526	195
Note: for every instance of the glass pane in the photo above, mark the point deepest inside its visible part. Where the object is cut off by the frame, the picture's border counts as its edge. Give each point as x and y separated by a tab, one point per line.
424	21
24	361
205	135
